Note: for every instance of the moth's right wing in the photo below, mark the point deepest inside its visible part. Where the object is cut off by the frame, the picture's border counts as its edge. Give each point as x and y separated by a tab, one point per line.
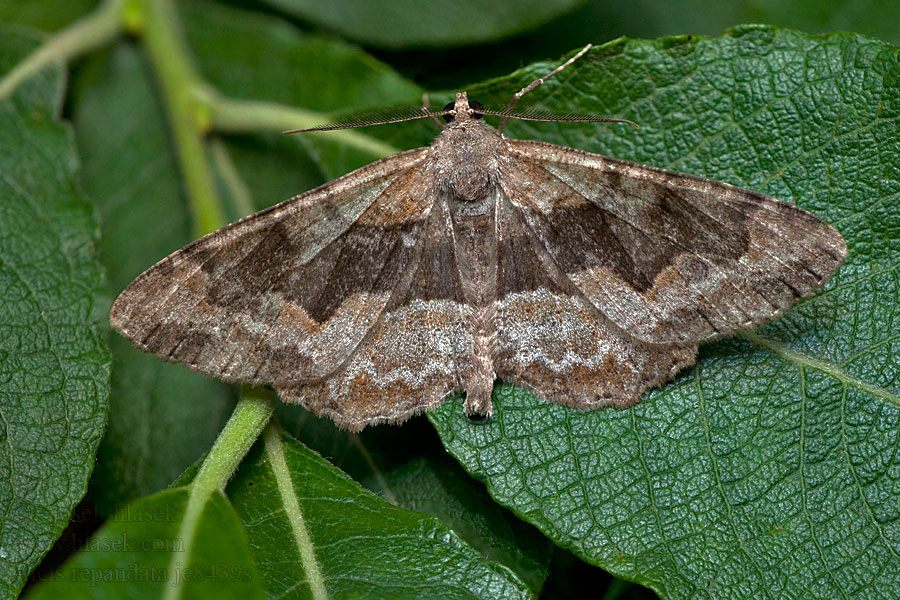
287	293
667	257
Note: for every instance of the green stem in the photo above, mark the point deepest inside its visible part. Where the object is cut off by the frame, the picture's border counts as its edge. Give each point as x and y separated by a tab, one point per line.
234	185
92	31
179	83
247	421
251	116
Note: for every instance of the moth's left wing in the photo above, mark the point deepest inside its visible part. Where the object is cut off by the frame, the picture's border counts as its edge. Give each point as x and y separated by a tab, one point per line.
419	351
667	257
286	294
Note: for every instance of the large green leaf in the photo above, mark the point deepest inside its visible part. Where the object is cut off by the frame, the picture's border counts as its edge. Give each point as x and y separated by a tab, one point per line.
260	57
409	467
43	14
54	367
422	23
769	469
140	553
292	526
308	523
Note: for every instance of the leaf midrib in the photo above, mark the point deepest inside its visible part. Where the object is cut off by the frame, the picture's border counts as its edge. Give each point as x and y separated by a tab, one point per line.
294	514
831	368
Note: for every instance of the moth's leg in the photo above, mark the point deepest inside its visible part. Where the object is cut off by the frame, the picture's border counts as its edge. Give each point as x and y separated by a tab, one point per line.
538	82
425	105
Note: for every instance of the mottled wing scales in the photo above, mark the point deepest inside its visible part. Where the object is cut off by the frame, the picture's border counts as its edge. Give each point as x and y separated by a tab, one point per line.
288	293
569	354
555	342
668	258
415	356
409	364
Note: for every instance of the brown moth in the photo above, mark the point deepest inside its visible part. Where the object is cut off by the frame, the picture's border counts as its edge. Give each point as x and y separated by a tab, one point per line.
586	279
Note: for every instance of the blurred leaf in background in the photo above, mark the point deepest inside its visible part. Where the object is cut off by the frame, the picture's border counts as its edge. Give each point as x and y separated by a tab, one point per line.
54	367
766	471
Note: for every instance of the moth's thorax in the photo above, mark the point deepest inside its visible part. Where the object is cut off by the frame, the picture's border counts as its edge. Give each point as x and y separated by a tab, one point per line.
466	159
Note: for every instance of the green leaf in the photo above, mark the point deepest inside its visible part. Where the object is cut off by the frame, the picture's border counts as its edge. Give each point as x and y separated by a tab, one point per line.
137	551
43	14
256	56
130	171
251	56
292	526
438	486
698	16
308	522
769	469
54	367
427	480
426	23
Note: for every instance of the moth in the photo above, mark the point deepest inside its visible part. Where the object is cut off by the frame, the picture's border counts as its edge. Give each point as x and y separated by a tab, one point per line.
586	279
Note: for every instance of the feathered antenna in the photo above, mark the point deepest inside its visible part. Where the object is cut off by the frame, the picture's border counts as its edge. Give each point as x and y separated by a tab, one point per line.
412	113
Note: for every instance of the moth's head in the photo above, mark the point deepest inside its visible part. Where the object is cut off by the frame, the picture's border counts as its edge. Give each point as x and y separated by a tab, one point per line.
462	110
